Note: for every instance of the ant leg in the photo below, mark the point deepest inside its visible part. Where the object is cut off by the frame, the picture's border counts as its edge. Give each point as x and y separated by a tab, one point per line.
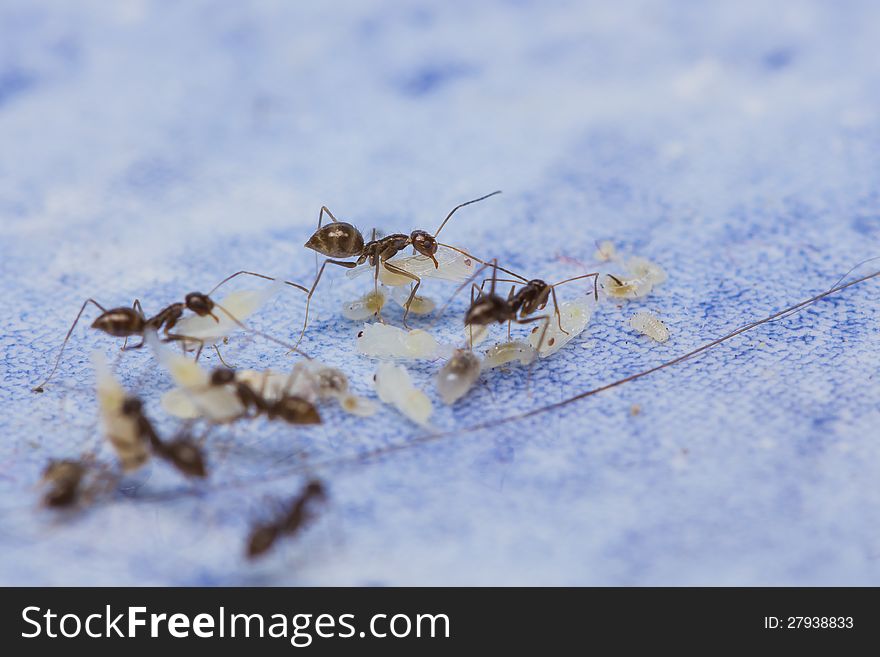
556	309
220	356
529	320
320	218
347	265
136	306
253	273
412	295
39	387
470	280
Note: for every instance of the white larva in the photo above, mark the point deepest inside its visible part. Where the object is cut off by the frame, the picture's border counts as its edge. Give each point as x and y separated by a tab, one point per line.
386	341
507	352
394	386
452	266
241	304
367	306
420	305
458	375
574	315
649	324
120	429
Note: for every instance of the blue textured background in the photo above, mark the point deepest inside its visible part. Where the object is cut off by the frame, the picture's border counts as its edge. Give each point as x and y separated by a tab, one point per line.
151	148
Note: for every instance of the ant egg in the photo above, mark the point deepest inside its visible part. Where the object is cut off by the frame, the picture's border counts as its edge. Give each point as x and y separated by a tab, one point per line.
648	324
626	288
241	304
365	307
458	375
644	269
420	305
507	352
395	387
386	341
575	315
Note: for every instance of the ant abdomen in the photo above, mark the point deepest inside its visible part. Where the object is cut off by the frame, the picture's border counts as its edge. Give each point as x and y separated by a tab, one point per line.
120	322
295	410
337	240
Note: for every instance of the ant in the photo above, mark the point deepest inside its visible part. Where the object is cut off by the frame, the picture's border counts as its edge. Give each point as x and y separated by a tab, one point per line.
64	479
534	294
182	452
293	409
486	309
298	514
125	322
342	240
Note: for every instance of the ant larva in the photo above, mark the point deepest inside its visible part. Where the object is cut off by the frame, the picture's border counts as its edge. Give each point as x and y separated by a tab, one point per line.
299	513
126	322
507	352
384	341
649	324
339	239
394	386
458	375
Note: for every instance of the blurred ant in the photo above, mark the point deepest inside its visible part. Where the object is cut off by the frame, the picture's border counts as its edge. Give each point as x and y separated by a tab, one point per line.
299	513
342	240
293	409
182	452
125	322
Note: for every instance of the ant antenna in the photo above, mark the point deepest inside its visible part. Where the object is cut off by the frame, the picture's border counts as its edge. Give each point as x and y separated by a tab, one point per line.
265	336
476	200
253	273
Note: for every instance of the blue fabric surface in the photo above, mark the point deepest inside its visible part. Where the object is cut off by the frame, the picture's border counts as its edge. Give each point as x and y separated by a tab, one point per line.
151	148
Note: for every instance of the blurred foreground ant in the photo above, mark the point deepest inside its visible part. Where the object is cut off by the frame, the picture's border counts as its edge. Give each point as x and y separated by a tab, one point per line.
298	514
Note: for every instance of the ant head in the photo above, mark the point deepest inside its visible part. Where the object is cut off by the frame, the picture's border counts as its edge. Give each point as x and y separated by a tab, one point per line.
222	376
424	243
187	457
131	406
315	488
199	303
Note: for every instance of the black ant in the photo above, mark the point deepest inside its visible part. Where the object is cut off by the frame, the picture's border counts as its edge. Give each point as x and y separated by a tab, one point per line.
489	308
293	409
182	452
534	294
125	322
298	514
342	240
